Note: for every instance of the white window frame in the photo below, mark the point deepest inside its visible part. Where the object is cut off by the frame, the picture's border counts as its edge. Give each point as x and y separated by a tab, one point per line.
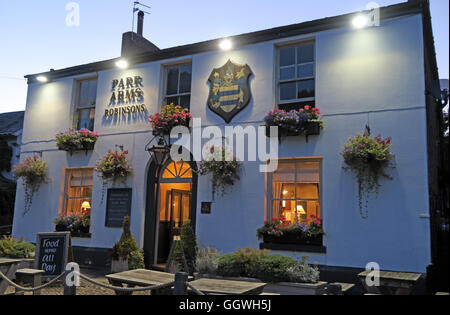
77	95
295	79
166	81
269	190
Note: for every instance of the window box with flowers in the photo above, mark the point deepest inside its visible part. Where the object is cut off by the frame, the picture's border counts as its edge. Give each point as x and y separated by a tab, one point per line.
78	224
76	140
305	121
169	117
297	236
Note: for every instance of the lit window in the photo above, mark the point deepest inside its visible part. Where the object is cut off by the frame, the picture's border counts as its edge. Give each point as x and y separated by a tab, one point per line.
296	76
178	85
85	104
295	190
77	193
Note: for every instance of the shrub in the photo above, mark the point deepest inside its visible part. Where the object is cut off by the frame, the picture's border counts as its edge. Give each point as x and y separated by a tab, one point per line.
15	248
230	266
250	258
127	244
274	268
303	273
189	243
207	261
136	260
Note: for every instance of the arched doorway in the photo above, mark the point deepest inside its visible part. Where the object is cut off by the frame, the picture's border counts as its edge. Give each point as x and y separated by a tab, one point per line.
171	201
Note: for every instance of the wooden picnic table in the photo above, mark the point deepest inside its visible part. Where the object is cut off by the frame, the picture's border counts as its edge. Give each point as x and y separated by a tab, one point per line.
140	278
228	287
391	282
8	267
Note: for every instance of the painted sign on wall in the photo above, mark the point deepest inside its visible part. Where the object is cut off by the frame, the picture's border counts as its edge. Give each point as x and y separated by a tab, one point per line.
230	90
127	97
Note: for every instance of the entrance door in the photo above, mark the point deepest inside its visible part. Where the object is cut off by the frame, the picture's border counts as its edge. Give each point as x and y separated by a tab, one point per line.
175	206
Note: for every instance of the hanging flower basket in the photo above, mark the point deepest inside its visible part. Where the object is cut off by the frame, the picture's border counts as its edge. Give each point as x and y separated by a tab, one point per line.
223	168
33	172
169	117
368	158
76	140
305	121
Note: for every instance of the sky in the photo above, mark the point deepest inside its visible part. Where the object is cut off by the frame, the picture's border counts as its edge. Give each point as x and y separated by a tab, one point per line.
36	37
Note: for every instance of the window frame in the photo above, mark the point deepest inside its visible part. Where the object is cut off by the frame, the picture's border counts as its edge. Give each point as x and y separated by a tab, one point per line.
76	101
166	81
269	192
65	187
296	79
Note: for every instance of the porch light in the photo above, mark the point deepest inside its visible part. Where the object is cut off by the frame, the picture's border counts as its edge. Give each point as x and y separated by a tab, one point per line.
226	44
122	64
42	79
159	152
360	21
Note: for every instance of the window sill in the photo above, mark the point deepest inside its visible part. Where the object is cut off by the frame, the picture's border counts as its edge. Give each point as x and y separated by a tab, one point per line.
294	248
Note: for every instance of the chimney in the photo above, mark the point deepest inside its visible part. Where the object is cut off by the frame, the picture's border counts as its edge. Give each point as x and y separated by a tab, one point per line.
140	26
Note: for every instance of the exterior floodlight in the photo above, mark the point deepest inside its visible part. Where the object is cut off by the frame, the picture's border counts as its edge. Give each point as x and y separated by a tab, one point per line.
122	64
42	79
226	44
360	21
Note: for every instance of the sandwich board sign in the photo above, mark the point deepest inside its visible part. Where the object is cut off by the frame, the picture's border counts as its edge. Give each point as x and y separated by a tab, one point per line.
52	250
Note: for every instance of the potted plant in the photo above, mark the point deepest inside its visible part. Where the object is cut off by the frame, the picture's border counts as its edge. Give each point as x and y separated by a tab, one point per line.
188	247
305	121
125	249
223	167
76	140
280	231
33	172
169	117
368	158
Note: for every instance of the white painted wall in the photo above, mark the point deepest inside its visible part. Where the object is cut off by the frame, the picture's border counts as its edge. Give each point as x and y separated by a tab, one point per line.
374	75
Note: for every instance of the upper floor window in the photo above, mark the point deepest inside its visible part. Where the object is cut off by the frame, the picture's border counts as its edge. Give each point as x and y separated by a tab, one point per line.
178	85
296	76
85	104
295	190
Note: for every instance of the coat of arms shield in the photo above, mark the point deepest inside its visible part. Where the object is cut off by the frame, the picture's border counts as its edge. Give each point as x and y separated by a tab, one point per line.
230	90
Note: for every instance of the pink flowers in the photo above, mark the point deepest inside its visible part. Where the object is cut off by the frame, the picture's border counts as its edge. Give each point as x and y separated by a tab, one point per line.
170	117
75	140
114	165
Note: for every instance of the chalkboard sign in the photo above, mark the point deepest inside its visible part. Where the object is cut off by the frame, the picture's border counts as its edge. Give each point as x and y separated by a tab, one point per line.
118	206
51	253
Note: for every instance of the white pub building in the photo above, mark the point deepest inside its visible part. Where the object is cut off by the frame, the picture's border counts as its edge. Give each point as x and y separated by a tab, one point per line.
372	68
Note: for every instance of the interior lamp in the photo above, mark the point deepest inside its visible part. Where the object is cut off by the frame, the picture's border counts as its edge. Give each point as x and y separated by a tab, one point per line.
85	205
301	210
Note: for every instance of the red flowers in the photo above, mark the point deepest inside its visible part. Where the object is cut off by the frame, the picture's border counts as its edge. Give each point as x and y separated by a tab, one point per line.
170	117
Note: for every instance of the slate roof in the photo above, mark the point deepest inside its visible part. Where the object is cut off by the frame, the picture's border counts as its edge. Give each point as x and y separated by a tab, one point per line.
10	123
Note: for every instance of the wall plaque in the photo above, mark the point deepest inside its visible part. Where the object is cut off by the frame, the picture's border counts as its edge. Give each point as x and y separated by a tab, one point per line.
118	206
206	207
230	90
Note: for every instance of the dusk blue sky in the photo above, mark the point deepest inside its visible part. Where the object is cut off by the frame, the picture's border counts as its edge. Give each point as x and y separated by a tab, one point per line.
35	36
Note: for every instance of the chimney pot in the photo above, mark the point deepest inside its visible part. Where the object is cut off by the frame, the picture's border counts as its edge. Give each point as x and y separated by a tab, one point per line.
140	27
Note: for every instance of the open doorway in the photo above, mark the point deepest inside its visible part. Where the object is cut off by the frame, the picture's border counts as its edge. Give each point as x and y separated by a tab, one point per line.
174	206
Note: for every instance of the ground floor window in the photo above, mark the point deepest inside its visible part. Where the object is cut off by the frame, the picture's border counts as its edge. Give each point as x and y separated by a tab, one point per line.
75	201
295	190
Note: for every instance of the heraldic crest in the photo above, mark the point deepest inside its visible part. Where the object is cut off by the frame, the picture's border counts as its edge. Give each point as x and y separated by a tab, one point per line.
230	90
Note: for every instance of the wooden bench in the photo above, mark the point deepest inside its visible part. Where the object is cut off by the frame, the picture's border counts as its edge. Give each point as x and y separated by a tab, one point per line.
29	276
391	282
